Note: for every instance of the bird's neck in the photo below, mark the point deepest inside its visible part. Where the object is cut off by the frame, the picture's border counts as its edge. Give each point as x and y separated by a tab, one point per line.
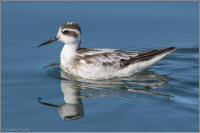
68	52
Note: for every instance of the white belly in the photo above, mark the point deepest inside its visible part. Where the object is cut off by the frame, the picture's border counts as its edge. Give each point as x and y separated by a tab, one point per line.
95	72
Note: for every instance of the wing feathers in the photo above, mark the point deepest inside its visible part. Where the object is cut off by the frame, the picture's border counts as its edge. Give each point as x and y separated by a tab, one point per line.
145	56
118	58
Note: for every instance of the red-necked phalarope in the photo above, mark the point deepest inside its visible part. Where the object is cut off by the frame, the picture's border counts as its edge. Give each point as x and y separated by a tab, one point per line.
100	63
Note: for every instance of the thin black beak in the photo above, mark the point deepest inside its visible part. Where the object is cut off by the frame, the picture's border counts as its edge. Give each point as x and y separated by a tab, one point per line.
49	41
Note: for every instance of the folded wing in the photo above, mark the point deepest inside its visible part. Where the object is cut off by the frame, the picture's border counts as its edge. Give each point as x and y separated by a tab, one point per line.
118	59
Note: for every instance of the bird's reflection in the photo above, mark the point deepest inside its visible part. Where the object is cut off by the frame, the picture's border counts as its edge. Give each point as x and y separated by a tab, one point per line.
73	107
75	89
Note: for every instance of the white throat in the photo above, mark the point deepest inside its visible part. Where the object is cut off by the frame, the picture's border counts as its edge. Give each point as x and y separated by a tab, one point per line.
67	53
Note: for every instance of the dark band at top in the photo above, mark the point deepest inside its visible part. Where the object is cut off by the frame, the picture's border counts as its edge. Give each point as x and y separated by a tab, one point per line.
71	25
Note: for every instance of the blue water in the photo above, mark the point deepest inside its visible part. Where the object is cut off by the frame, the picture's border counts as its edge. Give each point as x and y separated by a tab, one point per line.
162	98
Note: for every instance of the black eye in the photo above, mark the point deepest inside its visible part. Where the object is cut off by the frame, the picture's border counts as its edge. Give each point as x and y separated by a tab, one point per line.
65	32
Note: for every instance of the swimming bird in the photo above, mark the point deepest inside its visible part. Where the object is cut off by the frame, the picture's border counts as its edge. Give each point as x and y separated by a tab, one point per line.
100	63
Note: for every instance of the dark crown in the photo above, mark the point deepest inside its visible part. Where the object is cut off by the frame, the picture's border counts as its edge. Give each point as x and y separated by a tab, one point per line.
71	25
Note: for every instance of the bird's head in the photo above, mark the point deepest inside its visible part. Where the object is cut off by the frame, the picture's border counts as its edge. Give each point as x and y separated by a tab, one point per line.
69	33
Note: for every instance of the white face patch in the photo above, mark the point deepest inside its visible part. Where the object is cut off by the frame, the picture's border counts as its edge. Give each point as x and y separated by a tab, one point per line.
69	38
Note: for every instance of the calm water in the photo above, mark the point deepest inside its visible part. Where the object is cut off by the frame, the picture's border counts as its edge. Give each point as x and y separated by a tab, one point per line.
36	96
